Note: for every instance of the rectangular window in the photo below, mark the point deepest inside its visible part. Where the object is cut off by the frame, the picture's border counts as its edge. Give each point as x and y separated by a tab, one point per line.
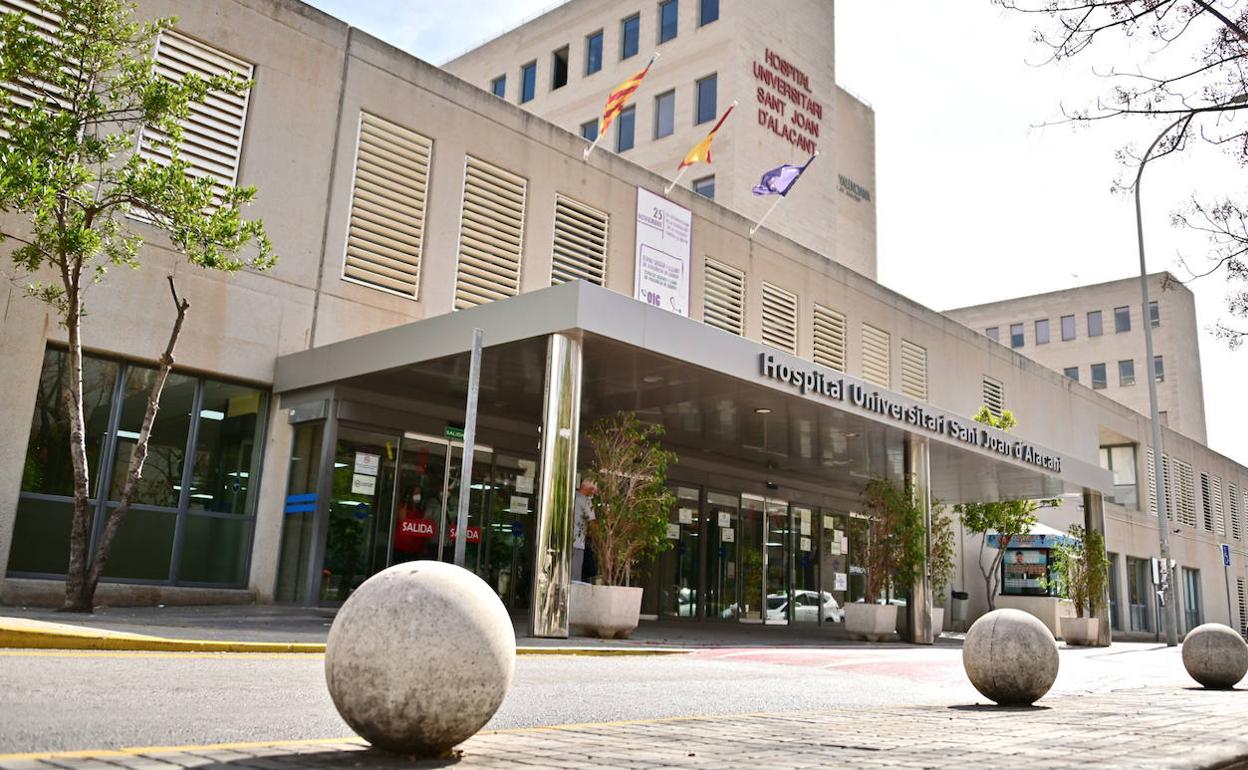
627	127
1138	593
559	69
1191	598
589	130
1122	319
1016	335
993	333
705	186
664	114
1159	369
1068	328
1071	372
829	338
669	12
779	318
994	396
1126	372
528	82
1120	460
593	53
1114	591
1096	327
1098	377
630	36
1042	331
499	86
708	11
706	108
723	298
1154	314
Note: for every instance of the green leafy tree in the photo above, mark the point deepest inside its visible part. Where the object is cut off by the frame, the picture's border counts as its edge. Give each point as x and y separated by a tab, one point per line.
72	104
896	538
1007	518
1082	569
940	550
632	504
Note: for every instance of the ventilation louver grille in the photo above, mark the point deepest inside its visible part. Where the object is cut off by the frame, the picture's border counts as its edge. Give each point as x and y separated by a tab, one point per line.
876	359
1219	511
913	370
1243	607
24	93
1237	531
1185	495
388	206
779	318
829	338
491	234
723	298
580	247
994	396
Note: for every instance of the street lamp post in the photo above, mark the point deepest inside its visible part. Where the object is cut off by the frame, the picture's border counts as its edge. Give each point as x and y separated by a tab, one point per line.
1163	528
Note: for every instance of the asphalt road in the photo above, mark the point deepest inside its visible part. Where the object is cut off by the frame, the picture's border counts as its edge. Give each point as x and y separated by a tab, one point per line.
52	701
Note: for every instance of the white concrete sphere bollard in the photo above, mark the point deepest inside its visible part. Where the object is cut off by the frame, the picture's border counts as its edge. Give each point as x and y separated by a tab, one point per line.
1215	656
420	657
1010	657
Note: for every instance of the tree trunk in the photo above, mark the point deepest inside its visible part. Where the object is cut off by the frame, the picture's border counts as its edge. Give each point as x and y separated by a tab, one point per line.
77	599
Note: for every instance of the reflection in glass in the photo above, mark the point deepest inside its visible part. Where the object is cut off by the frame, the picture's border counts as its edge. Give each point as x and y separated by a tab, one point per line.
299	511
358	536
678	566
721	555
143	546
418	515
779	609
751	553
161	484
214	550
804	566
225	459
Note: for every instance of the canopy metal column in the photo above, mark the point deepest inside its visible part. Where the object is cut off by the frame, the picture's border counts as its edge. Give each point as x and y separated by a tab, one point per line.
918	474
561	411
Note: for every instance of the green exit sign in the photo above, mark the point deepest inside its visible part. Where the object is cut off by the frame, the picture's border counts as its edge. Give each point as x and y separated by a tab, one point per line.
454	434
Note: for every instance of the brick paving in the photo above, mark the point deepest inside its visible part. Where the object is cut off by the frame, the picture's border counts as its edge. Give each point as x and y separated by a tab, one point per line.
1168	727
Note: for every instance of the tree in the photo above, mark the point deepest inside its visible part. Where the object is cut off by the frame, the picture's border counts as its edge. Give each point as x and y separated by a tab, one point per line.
1007	518
1082	568
632	503
1197	77
72	104
940	550
896	538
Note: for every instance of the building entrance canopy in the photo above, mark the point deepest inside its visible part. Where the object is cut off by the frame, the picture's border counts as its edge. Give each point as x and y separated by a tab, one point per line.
724	400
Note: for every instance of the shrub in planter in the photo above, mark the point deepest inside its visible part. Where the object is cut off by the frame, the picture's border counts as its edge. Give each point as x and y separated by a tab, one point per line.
1082	571
896	544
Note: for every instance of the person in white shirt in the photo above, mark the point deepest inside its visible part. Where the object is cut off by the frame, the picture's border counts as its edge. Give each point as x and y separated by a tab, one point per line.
582	514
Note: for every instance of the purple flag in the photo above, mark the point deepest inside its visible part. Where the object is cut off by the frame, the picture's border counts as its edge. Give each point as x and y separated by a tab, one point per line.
781	179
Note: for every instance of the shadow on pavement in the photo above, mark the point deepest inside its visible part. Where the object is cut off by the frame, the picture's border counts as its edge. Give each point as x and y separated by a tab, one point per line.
992	707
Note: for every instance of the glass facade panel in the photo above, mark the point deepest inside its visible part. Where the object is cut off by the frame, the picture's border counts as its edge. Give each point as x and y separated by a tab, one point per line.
1042	331
1098	377
753	527
1159	369
1154	314
708	11
1096	326
143	547
1122	319
589	130
1072	372
705	187
1191	599
499	86
1016	335
299	511
593	53
161	484
1126	372
669	11
807	600
630	36
777	562
214	550
528	82
1121	460
1138	593
722	511
41	536
1068	328
664	114
626	131
707	99
225	458
1114	590
678	565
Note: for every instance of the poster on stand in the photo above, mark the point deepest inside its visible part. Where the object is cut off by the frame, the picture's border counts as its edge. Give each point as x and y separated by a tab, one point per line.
663	248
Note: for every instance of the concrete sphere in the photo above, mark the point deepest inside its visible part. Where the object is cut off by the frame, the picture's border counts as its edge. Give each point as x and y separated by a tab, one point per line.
1215	656
1010	657
420	657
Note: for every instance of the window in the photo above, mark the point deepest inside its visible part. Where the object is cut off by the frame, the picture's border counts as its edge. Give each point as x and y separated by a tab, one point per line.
779	318
593	53
1126	372
580	245
1042	331
499	86
669	11
1154	314
829	338
1016	335
913	370
589	130
1138	594
706	107
528	82
559	69
1098	377
705	186
1096	326
1114	590
1071	372
627	126
491	234
203	463
1122	319
708	11
664	114
994	396
876	356
993	333
212	132
723	298
630	36
1159	369
1191	598
1121	460
1068	328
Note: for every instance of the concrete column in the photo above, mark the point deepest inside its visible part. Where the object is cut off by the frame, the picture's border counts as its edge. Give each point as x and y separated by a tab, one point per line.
919	608
270	503
561	413
1094	521
23	337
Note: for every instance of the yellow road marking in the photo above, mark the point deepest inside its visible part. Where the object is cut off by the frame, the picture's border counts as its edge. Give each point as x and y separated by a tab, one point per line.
142	654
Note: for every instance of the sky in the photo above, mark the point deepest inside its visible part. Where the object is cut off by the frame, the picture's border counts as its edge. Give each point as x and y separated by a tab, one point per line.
982	191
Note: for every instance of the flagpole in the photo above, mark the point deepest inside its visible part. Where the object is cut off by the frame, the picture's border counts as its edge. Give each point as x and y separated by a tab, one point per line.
754	229
653	58
681	172
667	190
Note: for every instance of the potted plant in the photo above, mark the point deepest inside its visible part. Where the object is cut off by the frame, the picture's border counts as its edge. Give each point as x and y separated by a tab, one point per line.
895	543
940	561
1082	570
631	508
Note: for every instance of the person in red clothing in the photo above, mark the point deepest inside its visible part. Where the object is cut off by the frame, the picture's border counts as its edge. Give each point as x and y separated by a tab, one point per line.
416	528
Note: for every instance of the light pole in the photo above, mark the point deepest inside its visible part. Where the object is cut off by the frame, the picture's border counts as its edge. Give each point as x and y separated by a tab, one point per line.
1163	527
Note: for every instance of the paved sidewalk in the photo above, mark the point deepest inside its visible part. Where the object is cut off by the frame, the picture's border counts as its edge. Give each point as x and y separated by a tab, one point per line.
1168	727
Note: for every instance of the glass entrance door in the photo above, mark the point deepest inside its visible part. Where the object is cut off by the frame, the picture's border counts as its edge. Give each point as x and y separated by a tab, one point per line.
808	601
678	566
752	534
480	489
357	542
778	528
422	486
722	518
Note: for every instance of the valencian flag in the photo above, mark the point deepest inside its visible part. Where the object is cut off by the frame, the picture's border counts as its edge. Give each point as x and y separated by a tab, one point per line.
781	179
702	150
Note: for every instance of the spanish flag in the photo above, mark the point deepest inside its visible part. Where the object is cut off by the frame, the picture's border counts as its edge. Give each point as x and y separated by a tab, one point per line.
702	150
620	96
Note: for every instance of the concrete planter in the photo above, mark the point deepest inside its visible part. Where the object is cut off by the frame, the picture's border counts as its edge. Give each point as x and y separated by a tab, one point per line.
608	612
1079	631
938	621
872	622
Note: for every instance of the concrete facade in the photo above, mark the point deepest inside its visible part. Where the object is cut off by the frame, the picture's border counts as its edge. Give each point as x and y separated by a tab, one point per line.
315	77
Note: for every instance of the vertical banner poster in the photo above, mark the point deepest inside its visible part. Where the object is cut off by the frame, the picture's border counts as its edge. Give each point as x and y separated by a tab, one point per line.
663	247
